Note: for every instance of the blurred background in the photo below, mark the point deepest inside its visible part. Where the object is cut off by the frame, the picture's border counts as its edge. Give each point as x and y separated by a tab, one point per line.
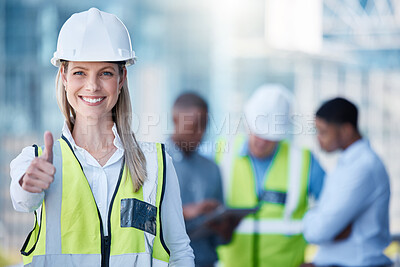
221	49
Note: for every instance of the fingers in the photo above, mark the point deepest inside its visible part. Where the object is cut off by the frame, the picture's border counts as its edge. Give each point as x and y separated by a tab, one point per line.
42	183
48	147
41	165
39	176
191	211
36	183
31	189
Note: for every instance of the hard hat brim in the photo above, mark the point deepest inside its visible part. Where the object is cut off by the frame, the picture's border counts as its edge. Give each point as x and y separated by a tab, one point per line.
55	61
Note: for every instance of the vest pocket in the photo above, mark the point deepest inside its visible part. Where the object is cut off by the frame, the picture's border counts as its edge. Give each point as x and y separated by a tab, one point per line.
138	214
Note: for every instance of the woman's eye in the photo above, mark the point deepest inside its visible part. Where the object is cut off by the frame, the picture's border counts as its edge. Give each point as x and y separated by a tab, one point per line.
78	73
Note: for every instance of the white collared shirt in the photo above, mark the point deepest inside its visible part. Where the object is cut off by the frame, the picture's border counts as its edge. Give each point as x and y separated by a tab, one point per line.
102	181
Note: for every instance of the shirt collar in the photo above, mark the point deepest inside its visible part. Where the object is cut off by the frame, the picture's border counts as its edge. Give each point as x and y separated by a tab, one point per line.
117	140
354	150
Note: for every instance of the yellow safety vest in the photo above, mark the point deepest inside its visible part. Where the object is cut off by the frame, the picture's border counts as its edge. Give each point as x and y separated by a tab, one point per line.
272	237
70	231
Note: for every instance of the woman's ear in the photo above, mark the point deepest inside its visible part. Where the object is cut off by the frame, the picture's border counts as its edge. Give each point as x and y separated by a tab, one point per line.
63	76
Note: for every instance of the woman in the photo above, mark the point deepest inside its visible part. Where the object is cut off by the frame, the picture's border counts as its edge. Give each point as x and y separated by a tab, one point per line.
105	199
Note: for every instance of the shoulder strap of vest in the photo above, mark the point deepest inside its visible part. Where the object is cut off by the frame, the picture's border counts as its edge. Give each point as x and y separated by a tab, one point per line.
298	180
33	236
72	150
162	197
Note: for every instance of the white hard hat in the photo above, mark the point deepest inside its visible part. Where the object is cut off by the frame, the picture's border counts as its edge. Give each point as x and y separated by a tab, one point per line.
94	35
268	112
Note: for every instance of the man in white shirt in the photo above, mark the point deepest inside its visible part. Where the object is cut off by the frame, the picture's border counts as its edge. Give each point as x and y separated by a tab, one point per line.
351	221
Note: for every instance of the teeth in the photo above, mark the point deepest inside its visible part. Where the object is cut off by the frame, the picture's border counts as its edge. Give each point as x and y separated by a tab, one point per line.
92	100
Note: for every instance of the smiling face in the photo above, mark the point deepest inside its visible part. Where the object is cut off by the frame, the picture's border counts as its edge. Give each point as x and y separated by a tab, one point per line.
92	87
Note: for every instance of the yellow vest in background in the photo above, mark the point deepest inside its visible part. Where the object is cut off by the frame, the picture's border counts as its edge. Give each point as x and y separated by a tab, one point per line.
272	237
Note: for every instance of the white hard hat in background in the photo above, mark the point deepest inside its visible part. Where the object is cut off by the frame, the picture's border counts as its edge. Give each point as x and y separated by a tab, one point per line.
94	35
268	112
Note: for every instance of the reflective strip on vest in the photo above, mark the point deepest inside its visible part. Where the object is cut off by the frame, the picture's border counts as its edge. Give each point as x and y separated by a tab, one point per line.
294	187
126	260
93	260
136	260
53	205
72	234
268	226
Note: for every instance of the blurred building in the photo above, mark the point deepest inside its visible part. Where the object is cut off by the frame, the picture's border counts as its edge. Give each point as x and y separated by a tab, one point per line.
20	100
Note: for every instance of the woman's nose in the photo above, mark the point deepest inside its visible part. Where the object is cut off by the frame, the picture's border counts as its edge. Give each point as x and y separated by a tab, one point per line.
92	83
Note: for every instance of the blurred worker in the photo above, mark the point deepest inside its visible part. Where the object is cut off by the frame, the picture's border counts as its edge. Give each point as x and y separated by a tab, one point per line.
199	178
351	221
104	198
265	170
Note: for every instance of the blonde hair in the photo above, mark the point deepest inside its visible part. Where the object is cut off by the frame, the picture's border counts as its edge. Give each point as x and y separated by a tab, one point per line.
122	116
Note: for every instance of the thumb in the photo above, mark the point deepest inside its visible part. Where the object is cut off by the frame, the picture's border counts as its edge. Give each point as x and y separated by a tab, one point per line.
48	147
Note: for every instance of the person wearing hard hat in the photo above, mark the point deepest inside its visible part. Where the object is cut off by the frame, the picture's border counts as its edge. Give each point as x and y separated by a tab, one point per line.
100	198
265	170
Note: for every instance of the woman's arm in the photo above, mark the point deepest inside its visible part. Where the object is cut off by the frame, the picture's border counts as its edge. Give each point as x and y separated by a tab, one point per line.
23	201
174	231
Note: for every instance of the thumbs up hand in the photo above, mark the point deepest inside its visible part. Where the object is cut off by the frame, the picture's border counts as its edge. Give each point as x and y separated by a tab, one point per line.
40	173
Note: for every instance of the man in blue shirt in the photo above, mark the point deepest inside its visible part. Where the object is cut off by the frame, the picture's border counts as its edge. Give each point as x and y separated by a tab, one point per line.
351	221
199	178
